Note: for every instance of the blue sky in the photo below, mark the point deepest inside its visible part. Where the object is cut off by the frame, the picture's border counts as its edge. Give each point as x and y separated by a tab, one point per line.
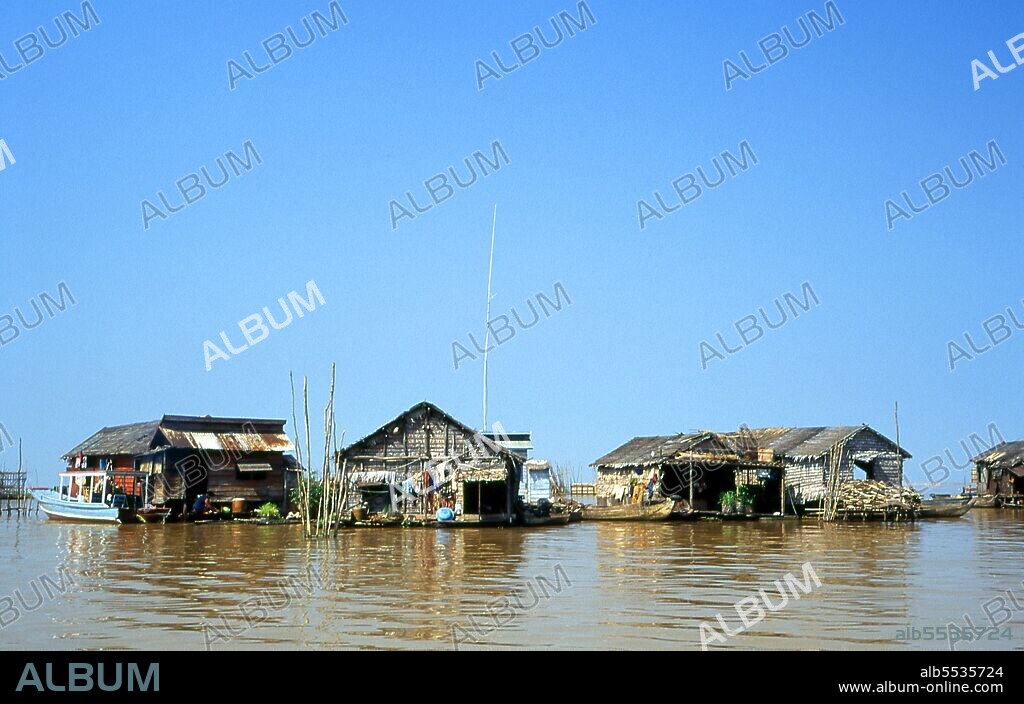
590	127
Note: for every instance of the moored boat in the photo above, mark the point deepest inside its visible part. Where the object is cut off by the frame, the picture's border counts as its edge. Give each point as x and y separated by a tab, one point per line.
552	519
629	512
100	496
951	507
987	501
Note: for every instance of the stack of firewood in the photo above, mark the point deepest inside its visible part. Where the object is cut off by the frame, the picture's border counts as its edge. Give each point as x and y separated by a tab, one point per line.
868	495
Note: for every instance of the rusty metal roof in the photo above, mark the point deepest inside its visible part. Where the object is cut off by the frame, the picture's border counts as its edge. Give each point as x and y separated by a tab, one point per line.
243	442
189	432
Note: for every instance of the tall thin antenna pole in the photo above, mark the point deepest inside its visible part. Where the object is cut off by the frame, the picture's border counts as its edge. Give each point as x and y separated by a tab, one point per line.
487	321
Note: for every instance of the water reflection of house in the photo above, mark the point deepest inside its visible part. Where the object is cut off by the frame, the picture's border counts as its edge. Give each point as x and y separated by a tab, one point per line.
245	458
1000	471
790	466
424	459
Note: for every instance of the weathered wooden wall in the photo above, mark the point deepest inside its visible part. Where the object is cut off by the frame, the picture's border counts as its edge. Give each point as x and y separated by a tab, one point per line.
807	479
416	442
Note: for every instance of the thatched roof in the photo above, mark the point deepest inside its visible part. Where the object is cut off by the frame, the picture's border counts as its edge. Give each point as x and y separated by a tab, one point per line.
1003	456
131	439
654	450
368	445
789	443
810	442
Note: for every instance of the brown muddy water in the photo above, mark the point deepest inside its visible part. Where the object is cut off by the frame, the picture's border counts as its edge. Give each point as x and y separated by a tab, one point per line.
590	585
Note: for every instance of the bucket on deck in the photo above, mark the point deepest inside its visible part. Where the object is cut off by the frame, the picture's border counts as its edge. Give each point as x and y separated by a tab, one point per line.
445	514
238	506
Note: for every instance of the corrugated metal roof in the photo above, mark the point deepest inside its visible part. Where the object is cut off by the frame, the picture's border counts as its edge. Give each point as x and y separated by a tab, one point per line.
243	442
194	432
511	441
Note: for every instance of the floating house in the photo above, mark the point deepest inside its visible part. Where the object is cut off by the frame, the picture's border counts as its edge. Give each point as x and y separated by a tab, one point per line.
185	456
1000	471
425	459
791	467
673	460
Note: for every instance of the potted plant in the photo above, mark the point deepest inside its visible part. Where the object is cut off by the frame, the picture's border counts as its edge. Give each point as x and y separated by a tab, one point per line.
268	510
727	500
746	497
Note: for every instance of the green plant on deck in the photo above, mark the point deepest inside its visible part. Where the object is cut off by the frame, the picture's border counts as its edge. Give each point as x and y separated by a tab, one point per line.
268	510
727	498
747	494
316	490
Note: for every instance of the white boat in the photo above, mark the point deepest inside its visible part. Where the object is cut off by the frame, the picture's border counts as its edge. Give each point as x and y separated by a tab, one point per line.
101	496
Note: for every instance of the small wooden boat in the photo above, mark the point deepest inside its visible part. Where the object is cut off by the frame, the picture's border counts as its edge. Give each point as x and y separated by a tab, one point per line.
553	519
629	512
951	507
478	522
986	501
152	514
574	509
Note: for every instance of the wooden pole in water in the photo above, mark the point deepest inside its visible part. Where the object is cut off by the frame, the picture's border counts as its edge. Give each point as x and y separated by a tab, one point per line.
691	482
899	450
21	470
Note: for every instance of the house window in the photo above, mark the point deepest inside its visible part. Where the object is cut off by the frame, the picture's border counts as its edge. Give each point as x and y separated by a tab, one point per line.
254	471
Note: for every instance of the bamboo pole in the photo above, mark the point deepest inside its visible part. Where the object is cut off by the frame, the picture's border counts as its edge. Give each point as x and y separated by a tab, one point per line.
309	452
899	450
303	487
691	483
21	470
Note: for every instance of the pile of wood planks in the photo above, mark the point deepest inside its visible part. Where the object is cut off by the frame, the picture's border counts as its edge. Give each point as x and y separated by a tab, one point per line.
869	495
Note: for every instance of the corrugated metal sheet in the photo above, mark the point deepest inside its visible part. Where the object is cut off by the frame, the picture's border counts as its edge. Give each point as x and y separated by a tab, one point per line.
243	442
538	483
191	432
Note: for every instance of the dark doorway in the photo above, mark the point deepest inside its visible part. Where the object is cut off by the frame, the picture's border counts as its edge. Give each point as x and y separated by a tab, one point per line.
484	497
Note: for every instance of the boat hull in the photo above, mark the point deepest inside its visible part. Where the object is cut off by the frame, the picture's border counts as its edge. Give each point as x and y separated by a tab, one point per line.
152	515
555	519
57	508
945	508
629	512
987	501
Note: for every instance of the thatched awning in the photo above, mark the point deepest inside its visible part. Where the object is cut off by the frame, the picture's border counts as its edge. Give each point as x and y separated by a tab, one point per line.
366	478
466	473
